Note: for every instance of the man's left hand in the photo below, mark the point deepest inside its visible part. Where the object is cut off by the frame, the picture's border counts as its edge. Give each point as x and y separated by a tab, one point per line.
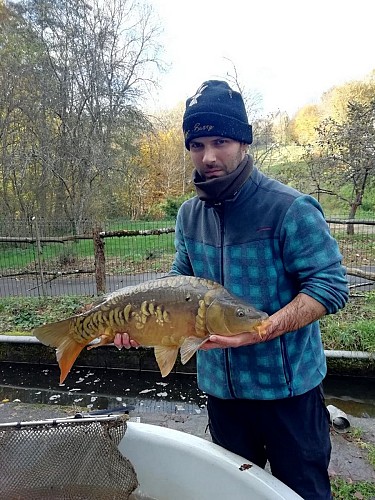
242	339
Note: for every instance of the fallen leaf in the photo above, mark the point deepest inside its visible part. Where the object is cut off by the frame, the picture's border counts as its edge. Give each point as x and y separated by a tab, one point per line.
358	495
245	466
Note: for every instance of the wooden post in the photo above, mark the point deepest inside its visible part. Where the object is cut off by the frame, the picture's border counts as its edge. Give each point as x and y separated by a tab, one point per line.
99	261
39	255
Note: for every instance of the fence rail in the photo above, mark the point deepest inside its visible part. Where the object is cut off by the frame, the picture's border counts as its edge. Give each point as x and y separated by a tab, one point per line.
39	261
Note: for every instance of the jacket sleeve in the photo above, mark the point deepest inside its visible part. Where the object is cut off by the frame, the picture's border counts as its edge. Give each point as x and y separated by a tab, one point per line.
312	256
181	263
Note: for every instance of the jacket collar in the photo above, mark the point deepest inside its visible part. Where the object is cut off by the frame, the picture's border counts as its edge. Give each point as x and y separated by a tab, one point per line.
223	188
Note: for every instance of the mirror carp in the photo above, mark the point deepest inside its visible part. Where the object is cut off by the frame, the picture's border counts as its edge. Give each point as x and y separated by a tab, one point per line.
171	314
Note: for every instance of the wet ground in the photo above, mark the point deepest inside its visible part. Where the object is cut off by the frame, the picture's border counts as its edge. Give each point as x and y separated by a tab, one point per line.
349	458
31	393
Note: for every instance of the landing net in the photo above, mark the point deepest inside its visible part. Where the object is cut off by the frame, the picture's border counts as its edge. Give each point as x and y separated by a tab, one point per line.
68	458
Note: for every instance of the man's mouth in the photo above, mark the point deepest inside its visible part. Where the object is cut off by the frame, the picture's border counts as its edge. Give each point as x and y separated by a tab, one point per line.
212	173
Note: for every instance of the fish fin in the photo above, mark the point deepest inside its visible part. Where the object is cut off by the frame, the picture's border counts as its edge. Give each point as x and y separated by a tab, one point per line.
105	338
190	347
67	349
166	358
66	354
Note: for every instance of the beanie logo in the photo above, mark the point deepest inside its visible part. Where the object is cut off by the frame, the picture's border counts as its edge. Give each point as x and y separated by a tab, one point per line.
194	99
202	128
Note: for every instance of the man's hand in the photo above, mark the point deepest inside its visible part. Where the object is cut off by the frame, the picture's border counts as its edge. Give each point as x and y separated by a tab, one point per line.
301	311
123	340
242	339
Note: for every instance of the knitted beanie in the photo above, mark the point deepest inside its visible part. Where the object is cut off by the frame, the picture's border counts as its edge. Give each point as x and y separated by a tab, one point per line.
216	109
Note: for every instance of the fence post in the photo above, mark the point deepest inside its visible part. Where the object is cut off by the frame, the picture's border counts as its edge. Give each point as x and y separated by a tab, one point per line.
99	261
39	255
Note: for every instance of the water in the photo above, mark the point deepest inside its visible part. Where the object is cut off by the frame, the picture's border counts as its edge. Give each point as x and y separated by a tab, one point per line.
353	395
97	388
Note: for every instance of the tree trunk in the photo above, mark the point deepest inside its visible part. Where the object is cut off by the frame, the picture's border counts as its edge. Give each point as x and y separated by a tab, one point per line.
352	212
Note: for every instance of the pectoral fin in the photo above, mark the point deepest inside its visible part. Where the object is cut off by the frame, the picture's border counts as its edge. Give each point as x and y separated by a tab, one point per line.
190	347
165	358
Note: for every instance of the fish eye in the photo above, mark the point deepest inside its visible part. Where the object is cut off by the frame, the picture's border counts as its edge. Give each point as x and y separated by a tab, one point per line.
240	313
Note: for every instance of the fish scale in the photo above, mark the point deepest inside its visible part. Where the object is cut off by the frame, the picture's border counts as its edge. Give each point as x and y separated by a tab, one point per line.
173	314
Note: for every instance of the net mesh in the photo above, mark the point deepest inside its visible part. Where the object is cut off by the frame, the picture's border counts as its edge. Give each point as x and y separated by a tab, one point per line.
71	458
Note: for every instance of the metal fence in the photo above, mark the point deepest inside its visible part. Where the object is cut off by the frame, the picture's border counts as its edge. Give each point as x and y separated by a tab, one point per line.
38	258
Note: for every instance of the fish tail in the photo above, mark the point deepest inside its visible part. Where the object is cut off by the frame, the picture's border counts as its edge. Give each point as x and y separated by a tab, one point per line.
67	349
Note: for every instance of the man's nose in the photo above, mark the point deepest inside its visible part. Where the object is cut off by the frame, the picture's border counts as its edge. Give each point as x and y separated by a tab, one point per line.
209	155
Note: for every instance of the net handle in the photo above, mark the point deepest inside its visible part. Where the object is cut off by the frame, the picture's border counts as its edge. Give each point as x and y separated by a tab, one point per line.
77	419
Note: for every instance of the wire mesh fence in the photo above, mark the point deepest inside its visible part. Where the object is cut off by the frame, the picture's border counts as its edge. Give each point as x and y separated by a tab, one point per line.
41	258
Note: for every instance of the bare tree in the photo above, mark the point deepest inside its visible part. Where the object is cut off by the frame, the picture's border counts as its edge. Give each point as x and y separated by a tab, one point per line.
21	62
344	156
99	60
253	100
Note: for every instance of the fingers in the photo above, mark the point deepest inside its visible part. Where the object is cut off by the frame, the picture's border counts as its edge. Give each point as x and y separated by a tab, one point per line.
118	340
221	342
123	340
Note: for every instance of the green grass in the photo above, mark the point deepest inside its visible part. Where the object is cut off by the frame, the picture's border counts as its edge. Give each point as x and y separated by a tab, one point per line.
25	256
371	454
352	328
19	315
140	253
119	251
347	490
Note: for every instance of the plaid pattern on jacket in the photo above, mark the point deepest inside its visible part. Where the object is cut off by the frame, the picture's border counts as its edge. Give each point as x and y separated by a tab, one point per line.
265	245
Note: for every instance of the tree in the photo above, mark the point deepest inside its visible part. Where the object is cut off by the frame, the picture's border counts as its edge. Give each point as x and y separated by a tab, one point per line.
21	60
97	62
334	102
344	156
302	127
163	159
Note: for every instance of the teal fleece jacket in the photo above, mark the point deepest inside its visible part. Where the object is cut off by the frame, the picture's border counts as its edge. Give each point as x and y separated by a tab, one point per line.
265	245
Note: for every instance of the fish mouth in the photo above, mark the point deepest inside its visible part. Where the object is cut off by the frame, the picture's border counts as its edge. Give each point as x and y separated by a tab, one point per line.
261	328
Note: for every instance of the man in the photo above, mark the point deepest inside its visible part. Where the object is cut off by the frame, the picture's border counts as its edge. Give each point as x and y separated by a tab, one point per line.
270	245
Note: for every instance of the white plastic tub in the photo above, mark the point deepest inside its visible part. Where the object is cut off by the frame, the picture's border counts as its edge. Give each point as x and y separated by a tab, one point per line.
173	465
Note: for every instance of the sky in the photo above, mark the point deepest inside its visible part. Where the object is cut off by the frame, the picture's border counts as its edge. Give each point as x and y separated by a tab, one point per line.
288	51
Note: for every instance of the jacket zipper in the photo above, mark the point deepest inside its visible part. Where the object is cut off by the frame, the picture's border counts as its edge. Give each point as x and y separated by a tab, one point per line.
220	211
286	366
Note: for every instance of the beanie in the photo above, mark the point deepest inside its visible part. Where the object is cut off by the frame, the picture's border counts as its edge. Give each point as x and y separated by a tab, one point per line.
216	109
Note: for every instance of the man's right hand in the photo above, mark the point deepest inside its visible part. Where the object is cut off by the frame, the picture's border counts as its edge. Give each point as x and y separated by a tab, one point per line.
123	340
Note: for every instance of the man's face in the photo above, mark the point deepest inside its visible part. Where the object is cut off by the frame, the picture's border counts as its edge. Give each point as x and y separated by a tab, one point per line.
216	156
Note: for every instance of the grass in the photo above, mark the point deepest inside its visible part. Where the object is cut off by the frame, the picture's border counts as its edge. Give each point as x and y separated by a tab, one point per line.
130	249
352	328
345	489
19	315
356	435
133	253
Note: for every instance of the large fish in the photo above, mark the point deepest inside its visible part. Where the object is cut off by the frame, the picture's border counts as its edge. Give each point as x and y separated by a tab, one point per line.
172	313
